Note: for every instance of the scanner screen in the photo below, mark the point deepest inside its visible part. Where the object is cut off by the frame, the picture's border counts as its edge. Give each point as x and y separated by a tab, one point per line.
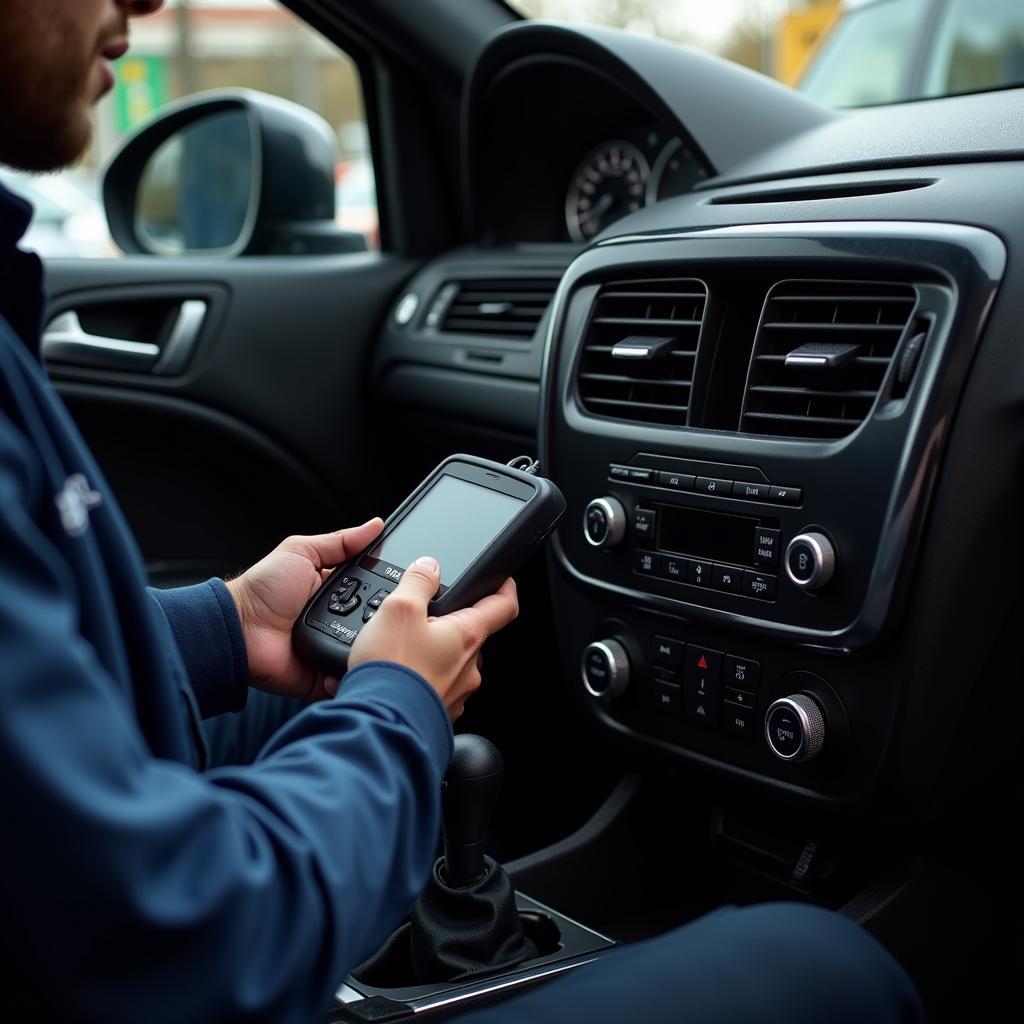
454	521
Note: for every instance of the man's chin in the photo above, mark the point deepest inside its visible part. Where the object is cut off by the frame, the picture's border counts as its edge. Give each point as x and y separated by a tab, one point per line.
55	150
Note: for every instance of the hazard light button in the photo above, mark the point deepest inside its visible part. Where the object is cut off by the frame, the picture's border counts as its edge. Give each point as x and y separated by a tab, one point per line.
702	680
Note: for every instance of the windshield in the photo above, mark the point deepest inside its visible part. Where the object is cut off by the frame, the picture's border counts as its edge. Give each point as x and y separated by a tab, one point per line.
851	54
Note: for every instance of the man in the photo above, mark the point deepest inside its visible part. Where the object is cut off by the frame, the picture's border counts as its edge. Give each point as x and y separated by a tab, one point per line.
136	885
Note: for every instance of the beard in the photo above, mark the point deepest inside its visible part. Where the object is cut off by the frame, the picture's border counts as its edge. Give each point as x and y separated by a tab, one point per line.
49	81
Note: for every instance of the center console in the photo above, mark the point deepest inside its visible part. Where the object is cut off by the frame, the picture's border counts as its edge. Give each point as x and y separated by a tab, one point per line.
747	424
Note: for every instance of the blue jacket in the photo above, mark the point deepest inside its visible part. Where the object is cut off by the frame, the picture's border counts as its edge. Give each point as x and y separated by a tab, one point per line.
136	887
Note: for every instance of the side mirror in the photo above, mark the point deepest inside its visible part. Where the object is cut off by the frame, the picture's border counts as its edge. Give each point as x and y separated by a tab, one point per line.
227	174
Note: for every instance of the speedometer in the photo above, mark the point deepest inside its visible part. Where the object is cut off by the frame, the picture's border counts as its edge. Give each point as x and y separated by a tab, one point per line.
610	182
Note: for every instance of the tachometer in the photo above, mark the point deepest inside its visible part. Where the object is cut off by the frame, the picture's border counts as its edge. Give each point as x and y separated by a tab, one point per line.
675	172
610	182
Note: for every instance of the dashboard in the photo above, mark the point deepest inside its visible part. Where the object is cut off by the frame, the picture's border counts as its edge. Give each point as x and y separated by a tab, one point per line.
768	352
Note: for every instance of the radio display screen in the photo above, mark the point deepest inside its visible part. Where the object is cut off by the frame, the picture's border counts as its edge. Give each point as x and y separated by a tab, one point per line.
711	535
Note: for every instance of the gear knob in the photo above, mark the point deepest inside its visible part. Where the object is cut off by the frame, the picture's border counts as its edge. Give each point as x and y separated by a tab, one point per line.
468	795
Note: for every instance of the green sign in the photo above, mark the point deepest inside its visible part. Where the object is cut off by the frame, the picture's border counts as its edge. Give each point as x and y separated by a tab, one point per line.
141	90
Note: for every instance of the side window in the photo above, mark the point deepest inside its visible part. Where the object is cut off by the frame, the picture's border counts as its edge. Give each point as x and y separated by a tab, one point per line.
979	44
193	46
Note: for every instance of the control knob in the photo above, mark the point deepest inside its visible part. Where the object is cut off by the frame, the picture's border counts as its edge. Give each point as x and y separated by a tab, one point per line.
604	522
810	560
605	669
795	728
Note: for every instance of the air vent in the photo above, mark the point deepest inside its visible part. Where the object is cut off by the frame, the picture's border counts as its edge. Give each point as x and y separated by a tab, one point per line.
821	353
640	349
492	308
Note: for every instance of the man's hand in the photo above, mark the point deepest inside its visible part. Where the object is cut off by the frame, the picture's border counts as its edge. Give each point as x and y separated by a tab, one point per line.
443	650
270	597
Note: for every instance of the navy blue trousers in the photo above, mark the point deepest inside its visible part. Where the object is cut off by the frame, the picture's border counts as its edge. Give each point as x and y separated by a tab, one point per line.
776	962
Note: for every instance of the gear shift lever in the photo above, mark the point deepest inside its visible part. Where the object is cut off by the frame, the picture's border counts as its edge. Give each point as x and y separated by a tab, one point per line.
468	795
466	921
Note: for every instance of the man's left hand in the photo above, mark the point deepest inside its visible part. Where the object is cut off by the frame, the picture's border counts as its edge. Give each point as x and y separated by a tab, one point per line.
271	595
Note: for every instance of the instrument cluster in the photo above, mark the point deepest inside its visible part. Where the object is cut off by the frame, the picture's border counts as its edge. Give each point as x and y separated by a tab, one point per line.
624	173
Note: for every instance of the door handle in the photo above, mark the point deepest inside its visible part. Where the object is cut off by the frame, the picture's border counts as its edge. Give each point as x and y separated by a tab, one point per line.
66	341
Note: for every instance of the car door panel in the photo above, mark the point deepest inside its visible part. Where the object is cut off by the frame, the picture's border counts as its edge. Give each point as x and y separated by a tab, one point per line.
263	431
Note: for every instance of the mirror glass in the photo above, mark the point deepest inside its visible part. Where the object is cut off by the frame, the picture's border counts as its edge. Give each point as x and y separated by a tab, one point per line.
197	189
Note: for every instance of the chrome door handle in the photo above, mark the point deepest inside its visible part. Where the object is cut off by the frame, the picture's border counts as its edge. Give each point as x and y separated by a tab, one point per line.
65	341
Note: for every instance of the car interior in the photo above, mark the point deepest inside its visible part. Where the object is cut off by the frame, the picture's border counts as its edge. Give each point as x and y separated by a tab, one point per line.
768	353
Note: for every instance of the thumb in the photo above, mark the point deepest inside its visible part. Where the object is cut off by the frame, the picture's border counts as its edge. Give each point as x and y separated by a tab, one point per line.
326	550
420	581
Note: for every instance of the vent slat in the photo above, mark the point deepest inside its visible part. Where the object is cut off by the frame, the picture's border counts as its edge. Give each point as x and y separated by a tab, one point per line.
617	378
652	390
823	402
652	295
637	321
766	389
656	406
510	310
860	328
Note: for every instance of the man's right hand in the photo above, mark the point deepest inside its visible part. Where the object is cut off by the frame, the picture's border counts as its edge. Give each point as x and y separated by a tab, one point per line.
443	650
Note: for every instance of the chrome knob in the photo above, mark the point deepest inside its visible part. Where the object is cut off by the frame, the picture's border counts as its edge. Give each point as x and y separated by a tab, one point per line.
810	560
604	522
605	669
795	728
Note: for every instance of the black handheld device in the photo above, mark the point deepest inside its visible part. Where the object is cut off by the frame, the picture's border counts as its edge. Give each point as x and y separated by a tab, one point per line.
478	518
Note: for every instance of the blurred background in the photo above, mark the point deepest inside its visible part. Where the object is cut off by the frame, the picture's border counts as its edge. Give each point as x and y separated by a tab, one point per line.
844	53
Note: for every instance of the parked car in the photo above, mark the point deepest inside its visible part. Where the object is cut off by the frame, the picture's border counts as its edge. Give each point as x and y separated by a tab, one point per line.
884	51
770	352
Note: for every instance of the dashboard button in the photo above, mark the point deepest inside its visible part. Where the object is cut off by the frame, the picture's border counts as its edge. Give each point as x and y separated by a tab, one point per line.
699	573
676	481
711	485
810	560
742	673
740	697
645	562
766	546
759	585
605	669
618	472
738	721
673	568
752	492
667	651
725	577
644	521
668	697
785	732
786	495
641	476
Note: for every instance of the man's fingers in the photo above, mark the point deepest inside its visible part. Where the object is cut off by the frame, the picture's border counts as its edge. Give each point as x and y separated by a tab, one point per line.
417	586
330	549
491	613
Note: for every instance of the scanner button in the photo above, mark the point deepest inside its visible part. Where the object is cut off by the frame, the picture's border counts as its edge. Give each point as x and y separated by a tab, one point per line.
349	606
377	599
347	586
369	612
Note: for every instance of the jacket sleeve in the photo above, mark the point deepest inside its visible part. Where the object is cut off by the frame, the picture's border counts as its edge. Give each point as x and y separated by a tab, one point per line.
136	889
206	629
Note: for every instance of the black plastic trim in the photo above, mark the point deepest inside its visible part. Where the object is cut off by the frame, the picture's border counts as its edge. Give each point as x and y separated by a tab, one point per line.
969	259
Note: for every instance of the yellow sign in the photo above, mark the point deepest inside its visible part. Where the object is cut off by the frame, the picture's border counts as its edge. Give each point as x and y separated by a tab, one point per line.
800	34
